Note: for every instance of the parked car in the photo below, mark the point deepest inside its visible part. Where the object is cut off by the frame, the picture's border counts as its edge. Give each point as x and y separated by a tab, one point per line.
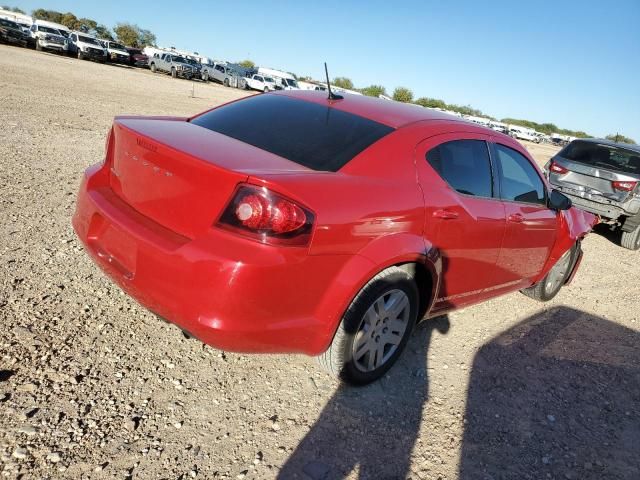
602	177
169	63
196	66
137	58
11	32
224	74
283	80
86	47
48	38
116	52
523	133
221	223
258	82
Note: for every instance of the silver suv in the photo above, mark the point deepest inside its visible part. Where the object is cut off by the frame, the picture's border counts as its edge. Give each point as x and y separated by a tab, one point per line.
602	177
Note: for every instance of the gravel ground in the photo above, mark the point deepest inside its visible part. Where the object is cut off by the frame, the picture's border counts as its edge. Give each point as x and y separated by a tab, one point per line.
94	386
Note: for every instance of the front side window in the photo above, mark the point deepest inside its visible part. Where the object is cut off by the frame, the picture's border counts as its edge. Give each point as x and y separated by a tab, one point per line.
519	180
464	165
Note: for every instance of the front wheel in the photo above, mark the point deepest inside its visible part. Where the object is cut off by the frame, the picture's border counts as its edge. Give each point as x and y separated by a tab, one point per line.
174	74
205	77
550	285
631	240
374	329
153	68
38	46
80	55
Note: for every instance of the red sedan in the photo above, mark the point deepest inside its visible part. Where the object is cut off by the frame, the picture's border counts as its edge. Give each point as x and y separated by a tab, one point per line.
289	222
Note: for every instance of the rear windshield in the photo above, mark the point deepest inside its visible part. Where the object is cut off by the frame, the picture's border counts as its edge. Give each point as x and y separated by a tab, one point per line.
313	135
604	156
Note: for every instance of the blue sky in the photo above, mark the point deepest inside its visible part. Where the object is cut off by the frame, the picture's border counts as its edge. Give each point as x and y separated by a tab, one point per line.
573	63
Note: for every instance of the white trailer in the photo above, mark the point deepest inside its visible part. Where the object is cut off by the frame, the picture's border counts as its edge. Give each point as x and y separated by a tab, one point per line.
25	21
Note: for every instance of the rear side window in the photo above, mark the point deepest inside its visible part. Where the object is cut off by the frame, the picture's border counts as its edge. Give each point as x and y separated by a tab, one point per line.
519	181
604	156
464	165
310	134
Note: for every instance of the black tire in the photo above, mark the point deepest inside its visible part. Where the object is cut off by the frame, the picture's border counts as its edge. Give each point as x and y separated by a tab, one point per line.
631	240
153	68
38	46
358	325
226	82
266	90
205	77
174	73
550	285
80	55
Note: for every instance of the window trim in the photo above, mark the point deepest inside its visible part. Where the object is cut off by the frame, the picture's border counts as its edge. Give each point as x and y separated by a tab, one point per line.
498	167
492	169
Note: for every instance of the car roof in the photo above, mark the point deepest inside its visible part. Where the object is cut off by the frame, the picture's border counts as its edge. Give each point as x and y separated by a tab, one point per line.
391	113
610	143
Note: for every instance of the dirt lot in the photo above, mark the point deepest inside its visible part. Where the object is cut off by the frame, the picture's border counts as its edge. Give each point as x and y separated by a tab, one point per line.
94	386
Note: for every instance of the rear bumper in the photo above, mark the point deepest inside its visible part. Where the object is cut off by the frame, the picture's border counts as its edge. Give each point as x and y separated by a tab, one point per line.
600	205
229	292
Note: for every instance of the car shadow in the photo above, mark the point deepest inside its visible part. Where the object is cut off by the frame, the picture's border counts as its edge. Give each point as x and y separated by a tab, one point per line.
373	428
557	396
603	230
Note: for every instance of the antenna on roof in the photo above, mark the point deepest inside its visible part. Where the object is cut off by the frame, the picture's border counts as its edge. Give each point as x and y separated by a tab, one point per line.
332	96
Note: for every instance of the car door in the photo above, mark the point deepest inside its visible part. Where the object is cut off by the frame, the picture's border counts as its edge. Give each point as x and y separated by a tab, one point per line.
531	226
464	219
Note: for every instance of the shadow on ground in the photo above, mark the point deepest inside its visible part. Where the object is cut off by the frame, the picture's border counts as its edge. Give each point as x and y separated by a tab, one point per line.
373	427
557	396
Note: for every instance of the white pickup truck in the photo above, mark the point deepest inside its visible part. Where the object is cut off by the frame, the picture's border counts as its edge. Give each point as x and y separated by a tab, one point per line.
260	82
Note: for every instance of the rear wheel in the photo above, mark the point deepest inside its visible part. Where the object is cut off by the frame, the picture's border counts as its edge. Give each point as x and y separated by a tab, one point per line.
631	240
550	285
374	329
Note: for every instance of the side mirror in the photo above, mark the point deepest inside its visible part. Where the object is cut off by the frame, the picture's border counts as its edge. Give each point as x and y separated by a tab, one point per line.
558	201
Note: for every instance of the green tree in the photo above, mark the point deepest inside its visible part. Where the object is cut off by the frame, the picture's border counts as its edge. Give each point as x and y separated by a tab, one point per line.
431	103
247	64
13	9
620	138
342	82
133	35
50	15
146	38
403	94
373	90
102	31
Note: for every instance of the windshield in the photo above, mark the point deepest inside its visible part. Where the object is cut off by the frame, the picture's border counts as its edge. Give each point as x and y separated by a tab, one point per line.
48	30
310	134
116	46
601	155
89	40
291	83
178	59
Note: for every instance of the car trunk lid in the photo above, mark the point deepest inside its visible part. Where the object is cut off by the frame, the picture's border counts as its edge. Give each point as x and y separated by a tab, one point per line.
181	175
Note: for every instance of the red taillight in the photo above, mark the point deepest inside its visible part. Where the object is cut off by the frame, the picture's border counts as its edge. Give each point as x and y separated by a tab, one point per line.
624	186
267	217
556	168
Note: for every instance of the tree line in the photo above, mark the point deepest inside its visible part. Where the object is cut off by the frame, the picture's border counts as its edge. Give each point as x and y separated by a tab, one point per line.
124	32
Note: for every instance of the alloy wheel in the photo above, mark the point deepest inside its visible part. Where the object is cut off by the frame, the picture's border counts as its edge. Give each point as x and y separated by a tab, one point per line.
381	330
